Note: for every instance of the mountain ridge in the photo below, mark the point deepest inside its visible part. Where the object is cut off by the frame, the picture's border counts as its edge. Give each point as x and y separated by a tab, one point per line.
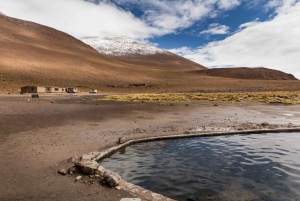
37	55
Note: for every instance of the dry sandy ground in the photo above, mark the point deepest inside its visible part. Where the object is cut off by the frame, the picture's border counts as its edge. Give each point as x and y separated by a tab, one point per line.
37	138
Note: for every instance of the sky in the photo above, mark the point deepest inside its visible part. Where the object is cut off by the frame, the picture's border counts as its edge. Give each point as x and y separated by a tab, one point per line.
214	33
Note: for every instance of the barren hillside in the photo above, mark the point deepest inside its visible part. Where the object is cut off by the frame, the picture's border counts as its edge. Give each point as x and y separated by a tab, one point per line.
33	54
249	73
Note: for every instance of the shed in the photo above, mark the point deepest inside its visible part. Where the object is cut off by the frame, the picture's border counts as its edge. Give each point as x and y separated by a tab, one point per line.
33	89
55	90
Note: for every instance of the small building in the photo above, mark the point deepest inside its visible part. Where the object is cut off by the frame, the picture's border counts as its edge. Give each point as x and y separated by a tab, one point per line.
33	89
55	90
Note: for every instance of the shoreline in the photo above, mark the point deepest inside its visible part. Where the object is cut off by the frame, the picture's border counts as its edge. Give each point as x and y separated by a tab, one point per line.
38	138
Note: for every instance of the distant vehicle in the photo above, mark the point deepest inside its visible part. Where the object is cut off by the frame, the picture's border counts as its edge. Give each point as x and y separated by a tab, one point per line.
93	91
35	96
71	90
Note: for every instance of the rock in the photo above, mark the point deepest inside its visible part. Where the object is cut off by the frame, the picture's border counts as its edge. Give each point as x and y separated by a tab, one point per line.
98	176
88	167
122	140
215	105
78	178
72	170
117	187
130	199
101	170
111	178
73	159
63	171
187	132
86	157
265	124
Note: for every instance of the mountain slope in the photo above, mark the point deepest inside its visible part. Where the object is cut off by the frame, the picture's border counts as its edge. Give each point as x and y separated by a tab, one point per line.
141	54
249	73
35	54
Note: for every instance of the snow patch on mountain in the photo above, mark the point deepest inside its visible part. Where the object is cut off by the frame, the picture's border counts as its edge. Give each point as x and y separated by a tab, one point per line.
122	46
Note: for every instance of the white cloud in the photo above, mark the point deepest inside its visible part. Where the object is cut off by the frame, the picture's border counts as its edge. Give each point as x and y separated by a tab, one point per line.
83	18
80	18
272	44
249	24
216	29
170	15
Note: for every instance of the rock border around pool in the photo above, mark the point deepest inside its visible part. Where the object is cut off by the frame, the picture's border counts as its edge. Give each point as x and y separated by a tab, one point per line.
88	162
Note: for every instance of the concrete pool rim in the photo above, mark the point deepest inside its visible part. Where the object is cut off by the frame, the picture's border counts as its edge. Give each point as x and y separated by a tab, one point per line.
149	195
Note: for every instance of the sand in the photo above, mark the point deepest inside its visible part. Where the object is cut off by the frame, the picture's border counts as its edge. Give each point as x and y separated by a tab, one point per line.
38	137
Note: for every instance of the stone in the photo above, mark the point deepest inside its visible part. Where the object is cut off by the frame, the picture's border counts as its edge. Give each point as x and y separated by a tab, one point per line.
88	167
130	199
122	140
73	159
86	157
265	124
78	178
63	171
111	178
101	170
72	170
94	154
187	132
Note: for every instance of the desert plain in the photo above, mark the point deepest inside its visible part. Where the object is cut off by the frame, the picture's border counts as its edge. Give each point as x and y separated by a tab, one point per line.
37	138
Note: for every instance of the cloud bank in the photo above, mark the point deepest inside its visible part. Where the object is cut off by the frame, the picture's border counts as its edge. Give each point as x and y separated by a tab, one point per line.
79	18
272	44
84	18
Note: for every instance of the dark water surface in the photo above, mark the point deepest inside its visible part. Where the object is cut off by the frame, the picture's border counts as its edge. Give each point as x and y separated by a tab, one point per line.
237	167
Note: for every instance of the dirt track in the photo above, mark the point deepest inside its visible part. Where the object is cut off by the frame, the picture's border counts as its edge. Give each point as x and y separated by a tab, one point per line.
37	138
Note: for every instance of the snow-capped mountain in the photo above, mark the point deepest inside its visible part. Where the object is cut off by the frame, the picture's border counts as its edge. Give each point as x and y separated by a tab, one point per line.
122	46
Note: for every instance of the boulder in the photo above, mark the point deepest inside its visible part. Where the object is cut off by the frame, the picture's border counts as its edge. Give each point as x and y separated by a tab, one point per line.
111	178
86	157
122	140
63	171
101	170
88	167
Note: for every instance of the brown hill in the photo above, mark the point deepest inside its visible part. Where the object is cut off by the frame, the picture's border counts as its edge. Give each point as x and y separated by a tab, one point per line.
33	54
161	62
249	73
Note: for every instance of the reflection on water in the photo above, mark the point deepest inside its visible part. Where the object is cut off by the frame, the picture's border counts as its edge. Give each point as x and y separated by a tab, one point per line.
238	167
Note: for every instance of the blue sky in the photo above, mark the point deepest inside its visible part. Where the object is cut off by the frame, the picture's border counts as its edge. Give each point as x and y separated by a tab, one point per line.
214	33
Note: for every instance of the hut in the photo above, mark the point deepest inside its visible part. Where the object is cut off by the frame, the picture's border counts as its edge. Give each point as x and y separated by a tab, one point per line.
55	90
33	89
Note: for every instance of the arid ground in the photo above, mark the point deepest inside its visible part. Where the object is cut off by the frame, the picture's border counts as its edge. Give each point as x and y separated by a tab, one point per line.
38	137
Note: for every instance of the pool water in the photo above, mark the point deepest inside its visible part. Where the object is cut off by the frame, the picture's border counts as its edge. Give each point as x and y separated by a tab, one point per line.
236	167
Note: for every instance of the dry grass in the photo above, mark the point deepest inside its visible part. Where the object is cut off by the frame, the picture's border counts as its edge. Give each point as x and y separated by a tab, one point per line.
264	97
